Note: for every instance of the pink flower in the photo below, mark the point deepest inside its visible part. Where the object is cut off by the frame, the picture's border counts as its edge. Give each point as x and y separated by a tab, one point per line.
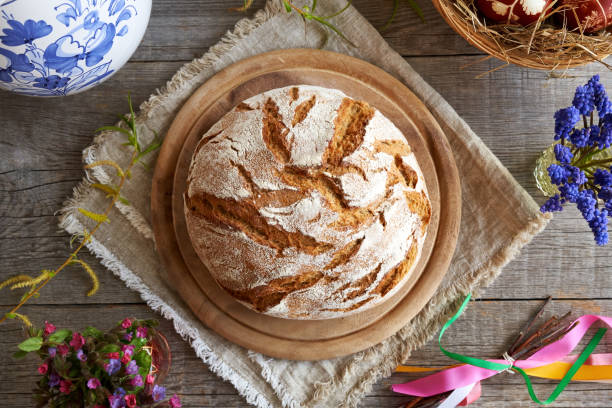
77	341
130	400
43	368
98	406
127	349
125	359
150	379
65	386
141	332
49	328
63	349
126	323
81	356
137	381
114	355
127	337
93	383
175	401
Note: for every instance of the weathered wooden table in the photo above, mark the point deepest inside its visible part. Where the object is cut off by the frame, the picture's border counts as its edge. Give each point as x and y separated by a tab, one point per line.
41	141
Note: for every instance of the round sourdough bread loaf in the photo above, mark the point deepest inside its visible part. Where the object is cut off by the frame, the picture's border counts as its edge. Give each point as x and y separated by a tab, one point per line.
306	204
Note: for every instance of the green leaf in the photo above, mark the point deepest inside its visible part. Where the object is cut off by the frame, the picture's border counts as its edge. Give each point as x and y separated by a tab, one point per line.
143	359
109	348
59	336
334	29
123	200
156	144
415	7
337	13
92	332
31	344
287	6
20	354
11	315
62	366
109	190
129	123
94	216
115	129
132	115
396	4
150	323
603	154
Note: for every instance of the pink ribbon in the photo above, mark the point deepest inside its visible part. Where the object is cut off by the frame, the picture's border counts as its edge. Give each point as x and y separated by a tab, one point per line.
462	376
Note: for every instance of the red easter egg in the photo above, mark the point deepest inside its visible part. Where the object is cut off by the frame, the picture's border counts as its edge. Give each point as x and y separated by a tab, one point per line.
521	12
593	15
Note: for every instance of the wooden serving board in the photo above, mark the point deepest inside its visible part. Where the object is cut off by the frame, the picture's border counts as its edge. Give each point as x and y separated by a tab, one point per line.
303	339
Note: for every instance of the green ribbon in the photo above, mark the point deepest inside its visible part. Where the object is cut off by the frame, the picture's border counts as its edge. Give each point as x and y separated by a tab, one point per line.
501	367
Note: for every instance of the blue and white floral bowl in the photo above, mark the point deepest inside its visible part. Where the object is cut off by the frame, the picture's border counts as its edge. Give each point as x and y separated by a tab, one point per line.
62	47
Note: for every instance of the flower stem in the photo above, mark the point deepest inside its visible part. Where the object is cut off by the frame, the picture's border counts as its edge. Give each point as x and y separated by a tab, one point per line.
599	162
590	152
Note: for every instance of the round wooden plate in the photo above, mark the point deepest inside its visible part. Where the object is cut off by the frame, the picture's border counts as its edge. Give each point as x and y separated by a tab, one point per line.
303	339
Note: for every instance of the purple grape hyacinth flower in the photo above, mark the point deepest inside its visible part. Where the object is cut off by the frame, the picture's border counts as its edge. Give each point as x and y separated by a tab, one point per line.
603	177
586	203
552	204
602	103
606	194
569	192
580	170
576	175
558	174
599	226
565	120
563	154
584	99
581	137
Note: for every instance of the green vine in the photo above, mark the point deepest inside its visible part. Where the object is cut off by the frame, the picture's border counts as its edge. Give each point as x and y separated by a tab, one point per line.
35	284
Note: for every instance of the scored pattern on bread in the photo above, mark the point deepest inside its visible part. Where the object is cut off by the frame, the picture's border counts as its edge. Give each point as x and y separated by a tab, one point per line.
304	203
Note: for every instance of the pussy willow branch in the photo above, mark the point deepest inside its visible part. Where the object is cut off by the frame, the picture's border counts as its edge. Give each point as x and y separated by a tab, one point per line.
528	341
84	241
115	193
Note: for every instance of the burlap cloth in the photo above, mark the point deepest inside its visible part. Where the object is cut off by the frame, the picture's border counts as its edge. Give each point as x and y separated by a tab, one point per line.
499	217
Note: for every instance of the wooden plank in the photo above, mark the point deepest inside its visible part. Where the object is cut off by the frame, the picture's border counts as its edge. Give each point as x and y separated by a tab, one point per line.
33	190
40	160
485	330
185	29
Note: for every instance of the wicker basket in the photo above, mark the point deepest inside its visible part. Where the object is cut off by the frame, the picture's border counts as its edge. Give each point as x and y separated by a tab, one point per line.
510	53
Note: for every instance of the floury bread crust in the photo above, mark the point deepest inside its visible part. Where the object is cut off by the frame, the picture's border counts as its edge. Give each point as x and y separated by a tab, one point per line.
306	204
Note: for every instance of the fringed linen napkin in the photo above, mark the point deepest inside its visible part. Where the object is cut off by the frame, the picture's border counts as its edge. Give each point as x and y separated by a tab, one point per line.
499	217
